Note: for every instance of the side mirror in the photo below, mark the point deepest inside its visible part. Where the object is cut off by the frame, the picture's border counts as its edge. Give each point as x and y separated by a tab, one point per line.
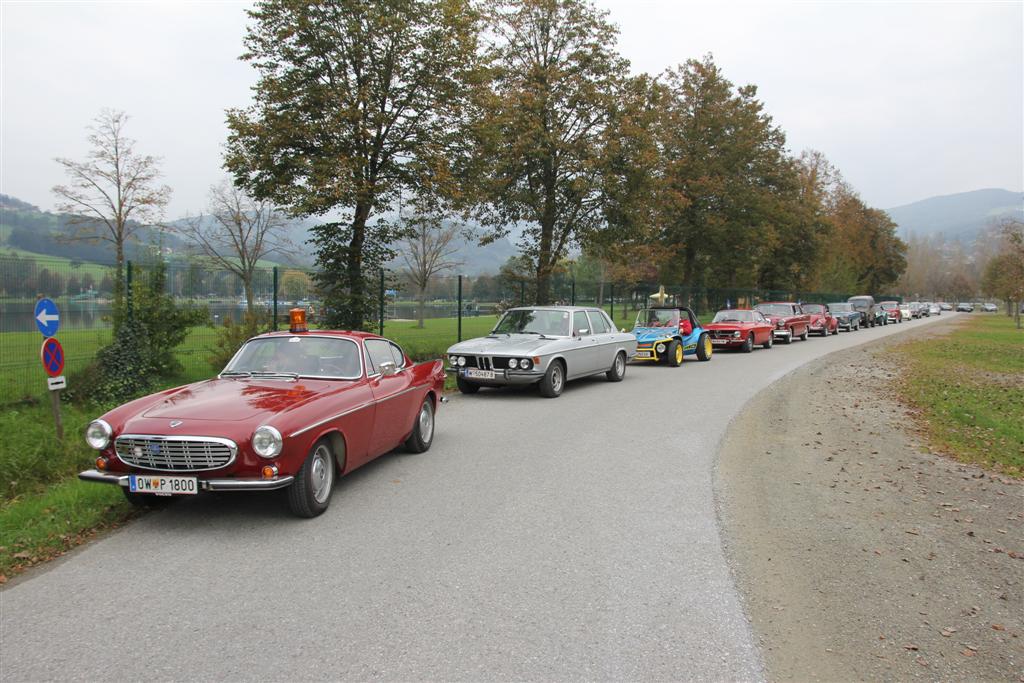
582	332
388	368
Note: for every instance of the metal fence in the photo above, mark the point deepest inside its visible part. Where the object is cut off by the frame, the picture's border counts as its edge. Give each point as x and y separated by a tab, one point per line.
425	323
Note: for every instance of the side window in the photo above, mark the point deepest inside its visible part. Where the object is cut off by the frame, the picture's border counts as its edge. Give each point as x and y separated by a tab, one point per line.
598	323
579	323
398	355
379	352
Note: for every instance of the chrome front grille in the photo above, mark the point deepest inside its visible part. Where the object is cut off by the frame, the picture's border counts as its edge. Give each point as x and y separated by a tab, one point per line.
175	453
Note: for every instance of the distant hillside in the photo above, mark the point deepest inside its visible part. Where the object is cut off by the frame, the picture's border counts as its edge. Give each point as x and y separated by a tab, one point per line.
958	216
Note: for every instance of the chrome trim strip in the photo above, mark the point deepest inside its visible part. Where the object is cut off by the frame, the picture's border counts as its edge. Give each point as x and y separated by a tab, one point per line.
204	484
104	478
359	407
232	446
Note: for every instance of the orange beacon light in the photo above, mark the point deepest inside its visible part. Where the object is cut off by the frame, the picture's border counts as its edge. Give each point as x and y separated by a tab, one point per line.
297	320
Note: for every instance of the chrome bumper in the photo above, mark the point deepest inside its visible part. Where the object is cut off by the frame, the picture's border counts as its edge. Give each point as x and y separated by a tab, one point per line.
784	332
503	377
204	484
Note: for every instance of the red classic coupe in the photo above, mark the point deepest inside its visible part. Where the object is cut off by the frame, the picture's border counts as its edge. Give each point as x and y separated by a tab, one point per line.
822	321
742	329
291	410
787	318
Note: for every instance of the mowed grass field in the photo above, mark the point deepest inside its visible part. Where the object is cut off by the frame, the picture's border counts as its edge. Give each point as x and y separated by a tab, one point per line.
969	387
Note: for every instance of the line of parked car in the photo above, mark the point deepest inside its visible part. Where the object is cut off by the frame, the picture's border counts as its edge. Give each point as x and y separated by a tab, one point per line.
296	410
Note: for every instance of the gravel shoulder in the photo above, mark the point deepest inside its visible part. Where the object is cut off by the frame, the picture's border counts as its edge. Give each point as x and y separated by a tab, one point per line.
858	553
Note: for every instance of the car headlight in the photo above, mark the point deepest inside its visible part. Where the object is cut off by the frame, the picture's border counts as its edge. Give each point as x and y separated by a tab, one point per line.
462	361
267	442
513	363
525	363
780	324
453	360
660	348
736	334
97	434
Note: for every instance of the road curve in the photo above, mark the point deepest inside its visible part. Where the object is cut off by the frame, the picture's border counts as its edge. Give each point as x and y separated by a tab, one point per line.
538	539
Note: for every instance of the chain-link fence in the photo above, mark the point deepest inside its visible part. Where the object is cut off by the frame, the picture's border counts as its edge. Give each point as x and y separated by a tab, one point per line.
450	308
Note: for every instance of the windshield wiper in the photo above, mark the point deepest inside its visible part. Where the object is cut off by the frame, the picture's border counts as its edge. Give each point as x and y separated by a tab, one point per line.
275	373
236	373
540	334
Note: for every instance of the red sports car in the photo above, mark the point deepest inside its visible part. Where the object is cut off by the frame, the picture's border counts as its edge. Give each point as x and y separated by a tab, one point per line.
292	409
822	321
788	319
741	328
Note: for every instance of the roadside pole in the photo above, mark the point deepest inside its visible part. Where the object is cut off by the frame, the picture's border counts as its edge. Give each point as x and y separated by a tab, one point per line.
52	357
460	308
381	333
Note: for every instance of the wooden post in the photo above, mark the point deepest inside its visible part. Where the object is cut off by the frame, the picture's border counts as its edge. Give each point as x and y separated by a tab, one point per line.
55	406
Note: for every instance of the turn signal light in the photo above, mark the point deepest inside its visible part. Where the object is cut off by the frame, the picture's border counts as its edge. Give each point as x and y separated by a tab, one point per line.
536	360
101	463
297	320
269	471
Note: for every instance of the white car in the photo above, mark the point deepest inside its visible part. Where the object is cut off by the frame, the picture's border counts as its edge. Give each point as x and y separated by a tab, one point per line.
934	309
989	308
905	312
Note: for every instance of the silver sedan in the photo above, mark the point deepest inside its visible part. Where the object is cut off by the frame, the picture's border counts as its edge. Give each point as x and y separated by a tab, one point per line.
545	345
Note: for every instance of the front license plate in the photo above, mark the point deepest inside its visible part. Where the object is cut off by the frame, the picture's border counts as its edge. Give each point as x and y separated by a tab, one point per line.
175	486
643	354
719	341
476	373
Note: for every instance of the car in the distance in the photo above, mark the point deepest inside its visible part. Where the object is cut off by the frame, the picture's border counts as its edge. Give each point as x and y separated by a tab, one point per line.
965	307
740	328
543	345
847	317
906	312
788	319
872	313
666	334
945	306
822	322
989	308
892	311
934	309
292	410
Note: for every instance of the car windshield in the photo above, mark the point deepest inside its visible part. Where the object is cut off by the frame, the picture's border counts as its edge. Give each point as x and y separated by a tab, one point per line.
734	317
817	309
837	308
296	356
775	309
541	321
658	317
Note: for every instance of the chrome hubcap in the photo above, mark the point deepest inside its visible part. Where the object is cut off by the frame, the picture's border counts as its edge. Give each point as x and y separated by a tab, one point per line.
426	422
556	378
620	365
321	474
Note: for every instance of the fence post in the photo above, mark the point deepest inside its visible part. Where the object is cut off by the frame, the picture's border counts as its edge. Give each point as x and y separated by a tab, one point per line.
611	293
522	293
460	309
128	292
573	290
381	333
273	320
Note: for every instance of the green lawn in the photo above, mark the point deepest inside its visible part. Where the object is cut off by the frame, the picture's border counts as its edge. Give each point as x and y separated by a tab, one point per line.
970	389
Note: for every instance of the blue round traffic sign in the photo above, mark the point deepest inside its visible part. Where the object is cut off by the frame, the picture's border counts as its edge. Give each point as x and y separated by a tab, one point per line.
52	355
47	317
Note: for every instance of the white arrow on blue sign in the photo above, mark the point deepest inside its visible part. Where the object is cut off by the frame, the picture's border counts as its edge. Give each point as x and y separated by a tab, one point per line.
47	317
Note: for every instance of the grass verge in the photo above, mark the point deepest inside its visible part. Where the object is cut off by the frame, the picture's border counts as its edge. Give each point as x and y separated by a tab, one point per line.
969	389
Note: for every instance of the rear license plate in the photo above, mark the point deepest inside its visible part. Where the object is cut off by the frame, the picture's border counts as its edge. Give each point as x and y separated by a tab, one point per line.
719	341
475	373
174	486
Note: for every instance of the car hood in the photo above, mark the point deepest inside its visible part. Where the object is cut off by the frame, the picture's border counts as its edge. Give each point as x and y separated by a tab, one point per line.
649	334
239	399
513	345
728	326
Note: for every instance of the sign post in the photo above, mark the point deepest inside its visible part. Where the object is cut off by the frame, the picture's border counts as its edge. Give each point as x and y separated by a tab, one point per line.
52	356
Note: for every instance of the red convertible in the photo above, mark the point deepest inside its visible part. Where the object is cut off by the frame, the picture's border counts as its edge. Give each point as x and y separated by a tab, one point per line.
291	410
787	318
740	328
822	321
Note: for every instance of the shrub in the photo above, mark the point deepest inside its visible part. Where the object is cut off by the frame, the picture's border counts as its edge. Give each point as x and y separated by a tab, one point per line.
231	337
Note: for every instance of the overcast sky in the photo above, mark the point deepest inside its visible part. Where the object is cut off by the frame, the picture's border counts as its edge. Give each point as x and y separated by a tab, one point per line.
908	100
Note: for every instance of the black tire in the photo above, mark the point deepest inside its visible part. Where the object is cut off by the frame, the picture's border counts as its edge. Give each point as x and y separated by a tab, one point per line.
789	339
672	356
148	501
310	493
703	347
803	337
423	429
771	340
748	345
553	381
618	369
465	386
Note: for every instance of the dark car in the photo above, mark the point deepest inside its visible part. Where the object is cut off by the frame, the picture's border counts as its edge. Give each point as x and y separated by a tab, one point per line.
872	313
965	308
847	318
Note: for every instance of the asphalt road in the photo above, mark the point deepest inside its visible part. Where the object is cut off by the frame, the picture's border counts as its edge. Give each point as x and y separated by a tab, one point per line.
538	539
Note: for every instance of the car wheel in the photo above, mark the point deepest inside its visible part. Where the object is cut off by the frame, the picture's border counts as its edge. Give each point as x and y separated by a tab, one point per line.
803	337
618	369
553	382
788	339
704	347
466	387
147	500
771	339
674	353
423	431
310	493
748	345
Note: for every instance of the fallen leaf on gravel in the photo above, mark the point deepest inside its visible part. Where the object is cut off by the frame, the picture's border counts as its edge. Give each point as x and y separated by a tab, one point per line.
922	661
998	627
947	632
910	647
968	653
913	532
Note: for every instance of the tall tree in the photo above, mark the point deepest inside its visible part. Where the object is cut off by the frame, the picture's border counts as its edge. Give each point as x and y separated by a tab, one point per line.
541	124
237	232
427	251
356	102
115	189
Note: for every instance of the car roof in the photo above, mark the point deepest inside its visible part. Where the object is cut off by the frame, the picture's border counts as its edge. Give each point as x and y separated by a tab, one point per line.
784	303
350	334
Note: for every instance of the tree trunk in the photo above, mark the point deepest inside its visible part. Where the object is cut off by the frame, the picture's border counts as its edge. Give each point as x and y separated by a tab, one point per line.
359	306
689	263
119	286
250	305
421	300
